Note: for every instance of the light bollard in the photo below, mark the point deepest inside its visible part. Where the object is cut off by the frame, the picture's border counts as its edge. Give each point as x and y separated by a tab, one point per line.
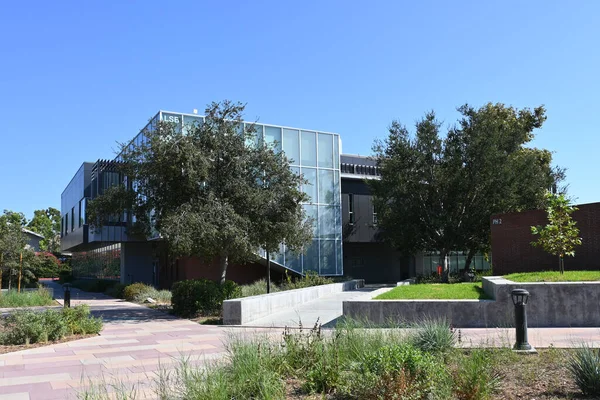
520	298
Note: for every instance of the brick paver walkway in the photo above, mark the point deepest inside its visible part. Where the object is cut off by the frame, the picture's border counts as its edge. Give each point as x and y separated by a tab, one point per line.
135	342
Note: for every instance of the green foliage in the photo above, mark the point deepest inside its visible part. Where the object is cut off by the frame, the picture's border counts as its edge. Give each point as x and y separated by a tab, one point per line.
561	235
13	245
201	296
476	378
28	326
400	371
133	291
554	276
47	223
433	335
78	320
46	265
309	279
440	291
584	365
257	288
208	191
437	191
12	298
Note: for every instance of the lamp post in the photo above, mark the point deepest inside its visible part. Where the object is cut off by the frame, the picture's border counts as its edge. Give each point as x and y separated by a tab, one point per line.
519	298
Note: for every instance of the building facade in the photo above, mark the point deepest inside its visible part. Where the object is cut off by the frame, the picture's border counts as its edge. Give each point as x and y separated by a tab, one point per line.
512	237
314	154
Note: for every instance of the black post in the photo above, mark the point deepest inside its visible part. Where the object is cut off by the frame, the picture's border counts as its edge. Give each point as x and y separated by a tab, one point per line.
520	300
268	273
67	296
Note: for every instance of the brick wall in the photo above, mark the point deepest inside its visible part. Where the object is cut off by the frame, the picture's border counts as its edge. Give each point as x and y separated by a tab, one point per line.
511	242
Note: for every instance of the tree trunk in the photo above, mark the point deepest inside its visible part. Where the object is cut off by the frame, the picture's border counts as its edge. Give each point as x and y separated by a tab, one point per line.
224	261
444	264
469	259
561	264
268	273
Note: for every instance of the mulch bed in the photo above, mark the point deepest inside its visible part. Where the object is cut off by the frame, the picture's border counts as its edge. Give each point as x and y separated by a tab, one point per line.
11	349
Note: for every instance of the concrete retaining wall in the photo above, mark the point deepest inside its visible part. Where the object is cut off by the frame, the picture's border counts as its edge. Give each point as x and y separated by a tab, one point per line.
247	309
562	304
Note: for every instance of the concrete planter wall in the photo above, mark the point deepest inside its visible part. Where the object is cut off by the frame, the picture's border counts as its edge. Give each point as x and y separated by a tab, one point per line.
244	310
563	304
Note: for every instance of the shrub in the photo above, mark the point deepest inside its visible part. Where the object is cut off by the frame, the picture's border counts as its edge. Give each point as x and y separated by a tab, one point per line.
131	292
23	327
475	378
201	296
308	280
161	296
46	265
28	327
79	321
257	288
400	371
584	365
434	335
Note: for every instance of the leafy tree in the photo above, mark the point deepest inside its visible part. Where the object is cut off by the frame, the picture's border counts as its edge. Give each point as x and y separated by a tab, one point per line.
561	235
493	169
13	246
207	191
438	193
47	223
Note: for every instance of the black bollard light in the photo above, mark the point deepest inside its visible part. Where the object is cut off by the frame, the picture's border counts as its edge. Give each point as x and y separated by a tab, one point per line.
67	296
519	298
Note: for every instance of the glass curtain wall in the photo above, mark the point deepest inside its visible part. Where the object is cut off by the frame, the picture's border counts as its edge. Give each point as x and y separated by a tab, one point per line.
315	155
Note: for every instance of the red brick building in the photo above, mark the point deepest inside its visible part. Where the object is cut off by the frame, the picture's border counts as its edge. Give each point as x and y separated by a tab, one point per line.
511	242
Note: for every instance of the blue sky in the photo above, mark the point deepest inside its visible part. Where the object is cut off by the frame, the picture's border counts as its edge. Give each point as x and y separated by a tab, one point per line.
77	77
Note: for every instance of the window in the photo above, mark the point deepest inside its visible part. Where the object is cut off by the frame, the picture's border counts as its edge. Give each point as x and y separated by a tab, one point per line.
308	143
80	223
291	145
72	219
62	227
66	224
351	208
375	220
325	143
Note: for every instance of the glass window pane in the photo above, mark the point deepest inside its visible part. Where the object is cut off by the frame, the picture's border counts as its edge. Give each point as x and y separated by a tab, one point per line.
310	188
272	135
293	261
291	145
327	257
310	260
254	134
338	253
312	212
325	150
338	222
326	185
327	223
309	149
336	152
191	123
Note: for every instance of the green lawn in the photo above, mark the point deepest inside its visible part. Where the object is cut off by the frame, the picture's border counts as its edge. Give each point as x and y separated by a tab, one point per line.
439	291
554	276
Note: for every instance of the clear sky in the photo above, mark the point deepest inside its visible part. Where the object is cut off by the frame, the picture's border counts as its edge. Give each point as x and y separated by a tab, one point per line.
78	76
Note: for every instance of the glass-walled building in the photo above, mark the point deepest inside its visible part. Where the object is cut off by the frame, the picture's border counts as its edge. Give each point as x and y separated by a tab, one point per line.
314	154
